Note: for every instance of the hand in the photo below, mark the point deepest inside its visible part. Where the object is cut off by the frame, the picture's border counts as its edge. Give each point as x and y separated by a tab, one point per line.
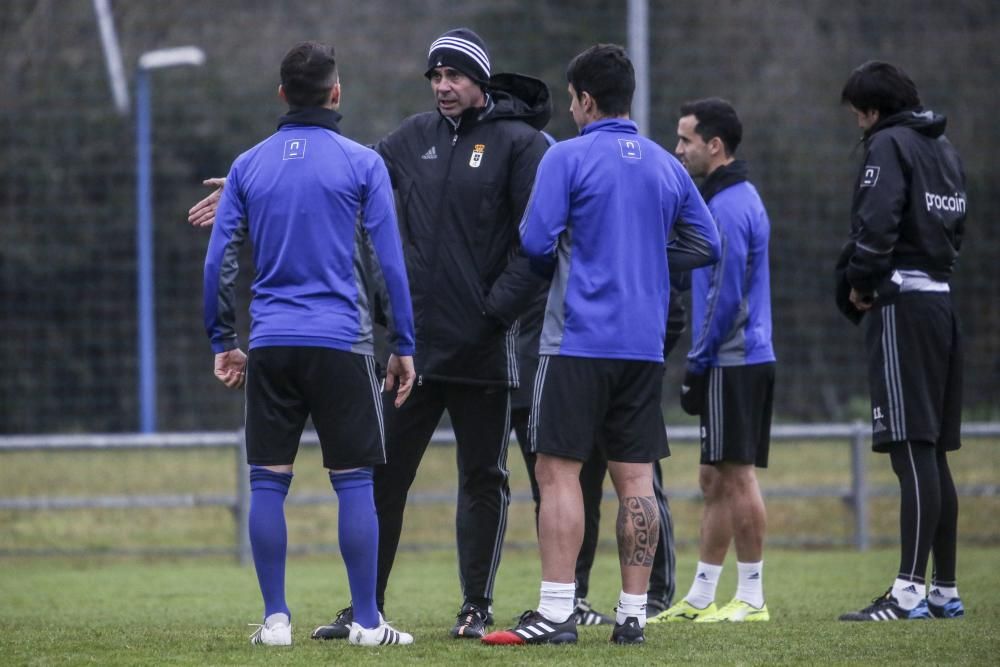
231	368
202	214
693	393
399	370
861	301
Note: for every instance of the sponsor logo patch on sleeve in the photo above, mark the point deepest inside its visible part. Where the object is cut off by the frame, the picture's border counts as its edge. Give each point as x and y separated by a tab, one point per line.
870	177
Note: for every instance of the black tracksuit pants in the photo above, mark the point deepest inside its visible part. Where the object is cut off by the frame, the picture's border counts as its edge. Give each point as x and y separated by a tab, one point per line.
480	417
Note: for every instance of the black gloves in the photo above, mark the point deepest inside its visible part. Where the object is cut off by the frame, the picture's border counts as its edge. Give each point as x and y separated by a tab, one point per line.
693	393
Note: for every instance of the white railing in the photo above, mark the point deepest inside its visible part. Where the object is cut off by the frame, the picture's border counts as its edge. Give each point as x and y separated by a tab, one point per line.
855	434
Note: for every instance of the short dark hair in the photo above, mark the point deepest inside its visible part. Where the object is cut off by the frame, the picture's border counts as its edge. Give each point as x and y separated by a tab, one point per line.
879	86
604	71
308	73
715	118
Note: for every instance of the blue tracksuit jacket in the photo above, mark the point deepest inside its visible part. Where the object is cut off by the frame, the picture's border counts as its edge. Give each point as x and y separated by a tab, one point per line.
731	301
312	203
603	207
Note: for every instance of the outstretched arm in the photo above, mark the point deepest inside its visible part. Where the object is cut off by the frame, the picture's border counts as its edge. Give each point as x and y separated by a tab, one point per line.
202	214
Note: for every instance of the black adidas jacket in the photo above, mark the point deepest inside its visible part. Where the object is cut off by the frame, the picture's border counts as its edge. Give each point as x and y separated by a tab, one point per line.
909	203
461	191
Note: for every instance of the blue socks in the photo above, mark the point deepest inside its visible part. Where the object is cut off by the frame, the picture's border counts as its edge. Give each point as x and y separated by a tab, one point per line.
357	532
269	536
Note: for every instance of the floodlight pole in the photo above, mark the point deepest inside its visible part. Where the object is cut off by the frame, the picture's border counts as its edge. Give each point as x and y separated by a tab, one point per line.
186	55
638	49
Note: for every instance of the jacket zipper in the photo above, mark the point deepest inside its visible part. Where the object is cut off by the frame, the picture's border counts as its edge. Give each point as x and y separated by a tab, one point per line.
440	207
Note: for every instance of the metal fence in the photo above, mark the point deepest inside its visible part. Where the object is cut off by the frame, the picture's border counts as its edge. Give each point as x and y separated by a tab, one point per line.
856	495
70	354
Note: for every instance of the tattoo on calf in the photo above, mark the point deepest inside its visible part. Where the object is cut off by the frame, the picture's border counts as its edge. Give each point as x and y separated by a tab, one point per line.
638	530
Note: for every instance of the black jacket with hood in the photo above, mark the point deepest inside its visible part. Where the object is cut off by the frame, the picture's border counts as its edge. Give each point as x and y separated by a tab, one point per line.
909	203
462	187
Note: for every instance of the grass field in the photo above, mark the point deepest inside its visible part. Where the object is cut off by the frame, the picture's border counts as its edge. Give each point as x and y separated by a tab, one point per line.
194	612
111	610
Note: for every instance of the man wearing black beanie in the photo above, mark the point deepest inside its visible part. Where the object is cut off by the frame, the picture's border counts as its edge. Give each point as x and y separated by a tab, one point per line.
464	174
463	50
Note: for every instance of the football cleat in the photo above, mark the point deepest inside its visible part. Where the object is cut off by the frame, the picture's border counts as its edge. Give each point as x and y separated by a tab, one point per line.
629	632
383	635
533	628
338	628
953	608
682	611
275	631
471	622
886	608
736	611
587	615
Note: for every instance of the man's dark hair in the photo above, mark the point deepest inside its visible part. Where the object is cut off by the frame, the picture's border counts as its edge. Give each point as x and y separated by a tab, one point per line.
604	71
308	73
715	118
879	86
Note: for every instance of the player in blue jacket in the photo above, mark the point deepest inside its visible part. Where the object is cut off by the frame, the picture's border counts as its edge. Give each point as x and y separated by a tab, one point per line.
601	214
730	368
310	201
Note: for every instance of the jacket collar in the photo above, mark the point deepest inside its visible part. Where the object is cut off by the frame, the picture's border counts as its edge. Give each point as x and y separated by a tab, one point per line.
920	120
611	125
318	116
723	177
471	115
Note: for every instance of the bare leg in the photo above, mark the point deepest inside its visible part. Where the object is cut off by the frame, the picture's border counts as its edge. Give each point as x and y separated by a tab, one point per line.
746	507
716	522
560	517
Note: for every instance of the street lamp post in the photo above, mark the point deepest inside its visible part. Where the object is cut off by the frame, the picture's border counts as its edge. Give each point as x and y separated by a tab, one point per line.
185	55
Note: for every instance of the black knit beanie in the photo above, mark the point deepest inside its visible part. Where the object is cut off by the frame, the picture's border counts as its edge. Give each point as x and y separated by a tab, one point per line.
461	49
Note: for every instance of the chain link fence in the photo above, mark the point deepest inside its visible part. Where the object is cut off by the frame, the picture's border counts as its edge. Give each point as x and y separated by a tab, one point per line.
68	350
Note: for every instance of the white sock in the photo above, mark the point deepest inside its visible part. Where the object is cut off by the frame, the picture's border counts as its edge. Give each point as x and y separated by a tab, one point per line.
702	592
939	595
750	583
279	617
908	593
556	601
631	605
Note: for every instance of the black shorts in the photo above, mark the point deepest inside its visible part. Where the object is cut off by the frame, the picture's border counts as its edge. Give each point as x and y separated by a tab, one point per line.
736	418
577	398
915	371
340	390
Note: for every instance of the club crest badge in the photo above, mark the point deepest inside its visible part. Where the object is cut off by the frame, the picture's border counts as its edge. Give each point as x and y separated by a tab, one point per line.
630	148
295	149
477	155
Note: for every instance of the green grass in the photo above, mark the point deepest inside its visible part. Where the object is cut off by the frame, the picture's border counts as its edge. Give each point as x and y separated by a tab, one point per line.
194	612
109	610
